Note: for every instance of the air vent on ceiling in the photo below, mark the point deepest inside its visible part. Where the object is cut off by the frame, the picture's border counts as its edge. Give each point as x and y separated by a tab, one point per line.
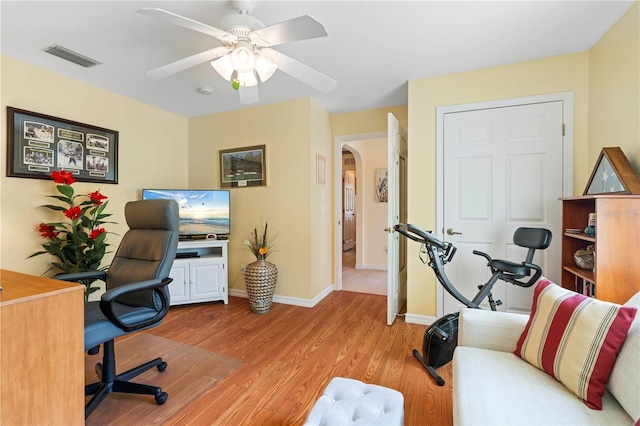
70	55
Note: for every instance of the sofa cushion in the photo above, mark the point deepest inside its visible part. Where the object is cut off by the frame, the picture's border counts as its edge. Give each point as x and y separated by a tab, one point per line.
498	388
498	331
574	338
624	386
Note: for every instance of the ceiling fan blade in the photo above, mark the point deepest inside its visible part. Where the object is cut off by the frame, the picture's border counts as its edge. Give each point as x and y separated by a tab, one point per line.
191	61
248	94
172	18
302	72
301	28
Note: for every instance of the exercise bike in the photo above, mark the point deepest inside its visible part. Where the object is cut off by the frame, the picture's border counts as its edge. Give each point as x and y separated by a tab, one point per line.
441	338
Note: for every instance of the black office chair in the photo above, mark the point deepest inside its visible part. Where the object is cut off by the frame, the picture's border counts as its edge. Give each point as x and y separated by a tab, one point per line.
136	299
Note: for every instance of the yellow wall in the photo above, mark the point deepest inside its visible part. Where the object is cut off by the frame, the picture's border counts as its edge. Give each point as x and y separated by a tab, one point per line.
605	82
290	203
614	89
543	76
152	153
321	202
369	121
160	149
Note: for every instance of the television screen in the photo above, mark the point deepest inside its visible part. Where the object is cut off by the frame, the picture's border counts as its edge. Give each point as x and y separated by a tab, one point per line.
202	212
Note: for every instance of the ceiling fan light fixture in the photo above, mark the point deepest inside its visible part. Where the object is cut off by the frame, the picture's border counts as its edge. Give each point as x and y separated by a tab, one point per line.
243	58
247	79
265	68
223	67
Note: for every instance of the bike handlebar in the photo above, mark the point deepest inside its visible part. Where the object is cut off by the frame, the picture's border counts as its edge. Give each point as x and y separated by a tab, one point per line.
419	235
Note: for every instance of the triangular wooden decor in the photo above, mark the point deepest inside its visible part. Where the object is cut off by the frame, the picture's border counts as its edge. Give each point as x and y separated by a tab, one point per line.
613	174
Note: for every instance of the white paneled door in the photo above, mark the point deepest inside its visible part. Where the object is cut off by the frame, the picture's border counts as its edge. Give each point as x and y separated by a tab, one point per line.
348	209
397	212
503	169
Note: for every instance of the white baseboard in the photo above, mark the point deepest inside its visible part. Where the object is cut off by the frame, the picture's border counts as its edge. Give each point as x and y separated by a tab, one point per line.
238	293
324	293
376	267
419	319
295	301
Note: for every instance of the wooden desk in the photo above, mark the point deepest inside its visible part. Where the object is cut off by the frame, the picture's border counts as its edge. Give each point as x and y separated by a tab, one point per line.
41	351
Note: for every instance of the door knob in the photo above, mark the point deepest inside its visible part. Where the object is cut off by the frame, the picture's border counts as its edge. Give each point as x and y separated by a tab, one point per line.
450	231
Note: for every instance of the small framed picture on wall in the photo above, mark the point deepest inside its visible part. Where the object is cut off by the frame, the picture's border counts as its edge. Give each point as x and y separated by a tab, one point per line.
242	167
321	169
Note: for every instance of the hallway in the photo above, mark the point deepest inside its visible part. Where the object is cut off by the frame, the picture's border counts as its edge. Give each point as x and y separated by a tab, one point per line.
370	281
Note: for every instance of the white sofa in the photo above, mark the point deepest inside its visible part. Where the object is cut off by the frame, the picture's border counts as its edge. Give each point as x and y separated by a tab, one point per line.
493	386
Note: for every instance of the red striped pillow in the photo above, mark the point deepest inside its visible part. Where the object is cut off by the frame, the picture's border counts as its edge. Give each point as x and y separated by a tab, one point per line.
574	338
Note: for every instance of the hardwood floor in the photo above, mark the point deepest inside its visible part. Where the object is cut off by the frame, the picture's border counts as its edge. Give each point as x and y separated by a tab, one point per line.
290	354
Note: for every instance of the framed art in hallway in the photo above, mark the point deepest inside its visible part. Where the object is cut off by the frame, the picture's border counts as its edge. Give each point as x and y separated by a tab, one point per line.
382	185
38	144
243	167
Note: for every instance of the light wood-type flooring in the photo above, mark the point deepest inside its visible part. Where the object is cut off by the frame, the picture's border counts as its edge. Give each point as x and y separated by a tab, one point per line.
290	354
370	281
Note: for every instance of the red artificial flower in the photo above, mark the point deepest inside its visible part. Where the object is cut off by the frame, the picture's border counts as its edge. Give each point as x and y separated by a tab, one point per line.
95	233
97	197
73	213
62	177
47	231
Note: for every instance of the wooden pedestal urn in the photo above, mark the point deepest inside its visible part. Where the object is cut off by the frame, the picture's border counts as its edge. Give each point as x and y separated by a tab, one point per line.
260	278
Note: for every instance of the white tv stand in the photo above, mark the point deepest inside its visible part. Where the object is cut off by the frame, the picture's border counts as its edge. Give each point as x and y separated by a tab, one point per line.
202	278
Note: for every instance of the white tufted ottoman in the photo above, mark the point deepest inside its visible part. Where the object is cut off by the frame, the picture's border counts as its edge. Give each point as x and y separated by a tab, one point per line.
348	401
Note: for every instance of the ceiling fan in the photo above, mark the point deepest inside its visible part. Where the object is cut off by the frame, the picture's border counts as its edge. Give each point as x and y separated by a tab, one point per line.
246	54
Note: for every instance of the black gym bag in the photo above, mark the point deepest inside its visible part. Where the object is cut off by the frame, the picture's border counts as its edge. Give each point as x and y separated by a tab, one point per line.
440	340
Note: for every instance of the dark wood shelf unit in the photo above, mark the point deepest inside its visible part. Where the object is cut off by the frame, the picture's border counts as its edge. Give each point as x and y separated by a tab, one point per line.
617	244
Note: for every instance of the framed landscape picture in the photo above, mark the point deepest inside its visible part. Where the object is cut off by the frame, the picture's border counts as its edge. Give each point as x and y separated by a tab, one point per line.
38	144
243	167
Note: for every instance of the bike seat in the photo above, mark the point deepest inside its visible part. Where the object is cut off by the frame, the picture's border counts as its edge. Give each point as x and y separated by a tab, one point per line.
513	268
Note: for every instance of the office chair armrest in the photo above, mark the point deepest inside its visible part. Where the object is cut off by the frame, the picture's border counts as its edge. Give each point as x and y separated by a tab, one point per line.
111	296
78	276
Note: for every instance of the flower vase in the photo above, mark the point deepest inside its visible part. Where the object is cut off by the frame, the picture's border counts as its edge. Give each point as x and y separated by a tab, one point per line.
260	278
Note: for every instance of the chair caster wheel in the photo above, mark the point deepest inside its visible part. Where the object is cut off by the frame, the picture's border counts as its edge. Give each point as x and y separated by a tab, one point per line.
162	366
162	398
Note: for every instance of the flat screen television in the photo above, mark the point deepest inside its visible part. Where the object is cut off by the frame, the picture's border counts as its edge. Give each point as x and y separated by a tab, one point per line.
202	212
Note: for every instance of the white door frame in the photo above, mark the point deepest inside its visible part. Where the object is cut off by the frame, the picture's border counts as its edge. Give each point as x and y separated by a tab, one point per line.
567	152
337	202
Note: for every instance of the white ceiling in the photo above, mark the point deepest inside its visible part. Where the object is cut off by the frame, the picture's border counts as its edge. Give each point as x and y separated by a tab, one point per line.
372	50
